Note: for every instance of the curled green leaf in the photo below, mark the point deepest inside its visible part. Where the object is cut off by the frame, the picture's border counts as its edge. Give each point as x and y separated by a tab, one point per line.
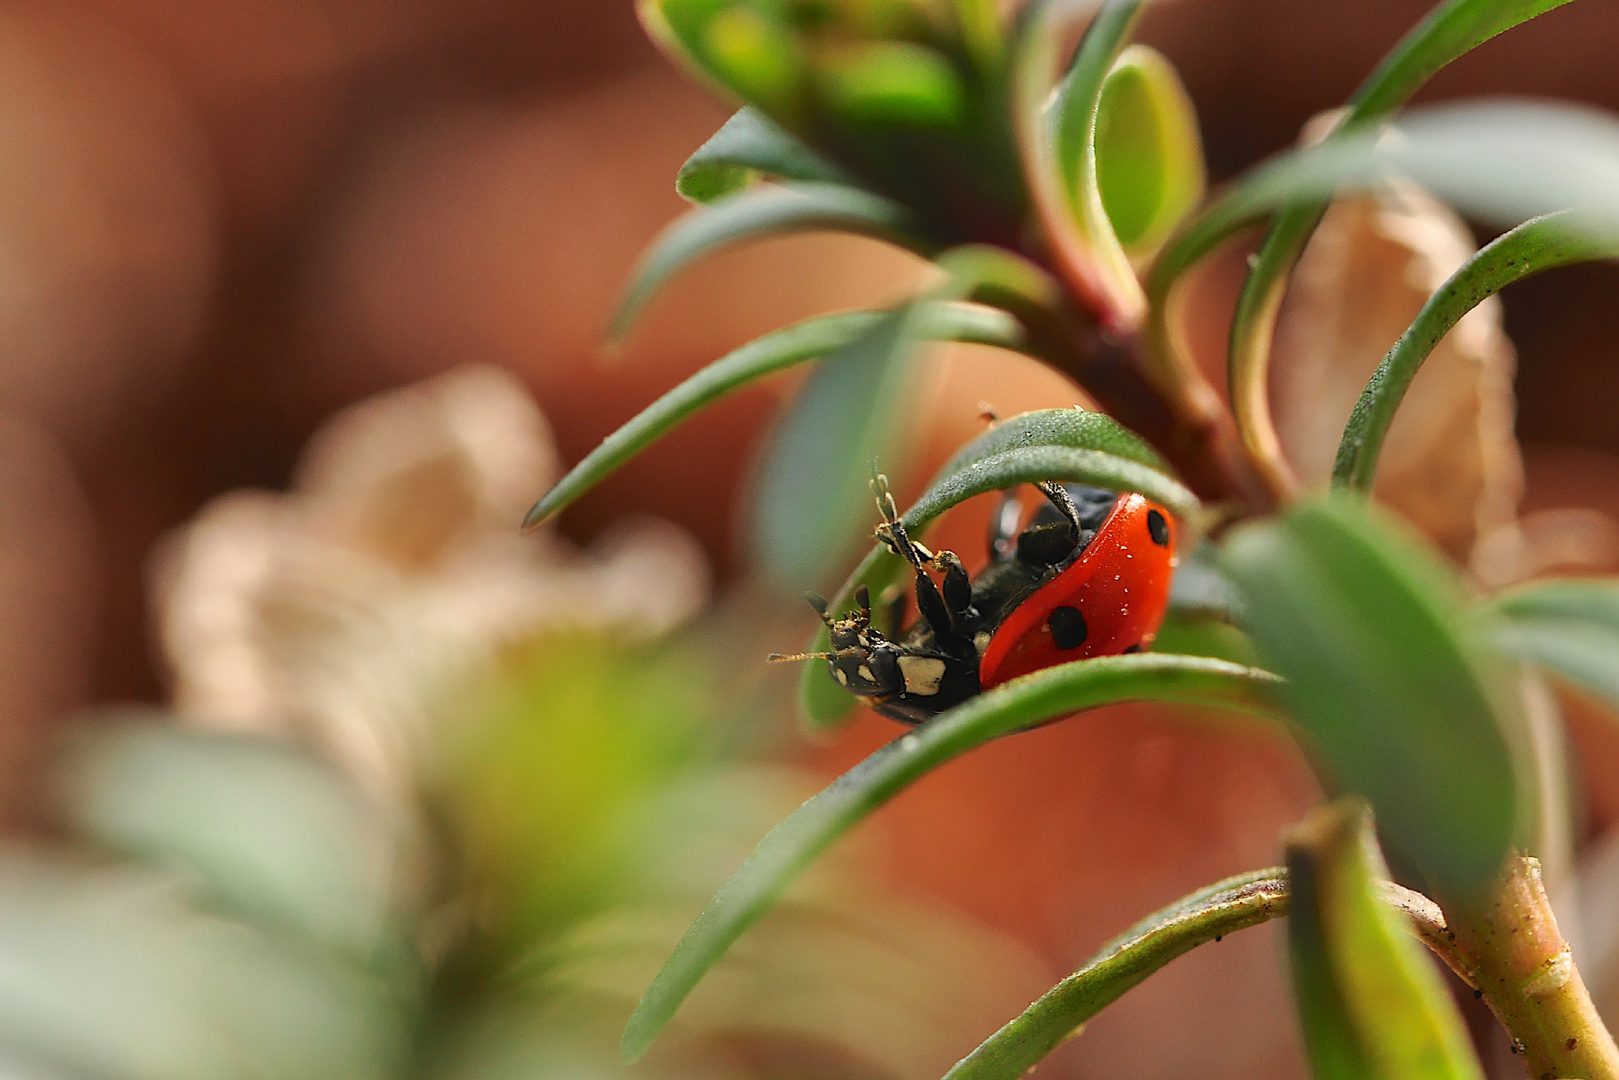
747	146
1385	678
791	846
1148	155
807	340
1569	625
1371	1005
1540	244
753	215
1089	262
1207	915
1049	444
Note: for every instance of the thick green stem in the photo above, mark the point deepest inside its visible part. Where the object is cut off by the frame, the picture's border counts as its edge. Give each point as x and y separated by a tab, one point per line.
1520	963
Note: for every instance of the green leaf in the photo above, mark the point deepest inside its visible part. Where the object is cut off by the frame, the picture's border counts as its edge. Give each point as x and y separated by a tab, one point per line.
1540	244
1208	914
807	340
1370	631
276	836
1070	136
750	145
1570	625
1050	444
1501	160
1451	30
1148	157
1083	252
757	56
108	971
811	486
1371	1005
753	215
892	83
791	846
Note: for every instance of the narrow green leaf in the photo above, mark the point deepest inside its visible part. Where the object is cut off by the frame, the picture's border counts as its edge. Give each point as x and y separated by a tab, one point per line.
1451	30
1370	631
1101	279
1223	908
791	846
753	215
1148	156
1540	244
748	146
807	340
811	488
1500	160
1570	625
1049	444
1371	1005
1073	125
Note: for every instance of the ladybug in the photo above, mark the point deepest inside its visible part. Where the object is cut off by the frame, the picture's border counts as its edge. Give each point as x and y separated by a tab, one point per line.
1089	576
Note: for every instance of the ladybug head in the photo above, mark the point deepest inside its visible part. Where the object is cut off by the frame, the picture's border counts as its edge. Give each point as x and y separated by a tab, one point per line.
861	659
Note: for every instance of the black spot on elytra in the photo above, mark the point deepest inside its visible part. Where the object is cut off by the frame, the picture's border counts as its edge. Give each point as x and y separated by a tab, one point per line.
1157	528
1068	627
1133	649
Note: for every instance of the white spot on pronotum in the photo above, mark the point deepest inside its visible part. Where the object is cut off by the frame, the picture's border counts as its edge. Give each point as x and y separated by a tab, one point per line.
922	674
865	673
1553	975
842	676
981	641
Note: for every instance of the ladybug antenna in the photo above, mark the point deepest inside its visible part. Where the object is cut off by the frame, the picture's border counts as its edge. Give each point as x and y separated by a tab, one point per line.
784	658
862	597
818	602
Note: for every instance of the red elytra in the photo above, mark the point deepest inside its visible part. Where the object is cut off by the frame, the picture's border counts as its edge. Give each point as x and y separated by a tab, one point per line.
1119	585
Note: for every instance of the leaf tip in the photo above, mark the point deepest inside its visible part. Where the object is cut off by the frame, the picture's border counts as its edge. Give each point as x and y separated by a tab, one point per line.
539	512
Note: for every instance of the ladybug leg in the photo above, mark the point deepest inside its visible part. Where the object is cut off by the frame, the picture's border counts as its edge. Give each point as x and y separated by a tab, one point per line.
930	604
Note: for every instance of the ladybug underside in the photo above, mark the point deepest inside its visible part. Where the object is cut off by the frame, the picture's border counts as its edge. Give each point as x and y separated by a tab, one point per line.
954	649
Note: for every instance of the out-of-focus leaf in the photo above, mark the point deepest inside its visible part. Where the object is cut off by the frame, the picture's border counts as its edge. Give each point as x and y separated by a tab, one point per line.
1086	254
984	35
756	214
1570	625
1208	914
808	340
1022	703
110	974
757	56
1149	155
747	146
1540	244
1370	632
1451	30
811	486
1500	160
274	835
1371	1005
1049	444
889	83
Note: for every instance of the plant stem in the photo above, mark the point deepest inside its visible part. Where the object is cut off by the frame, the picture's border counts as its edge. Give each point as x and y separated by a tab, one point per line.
1518	960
